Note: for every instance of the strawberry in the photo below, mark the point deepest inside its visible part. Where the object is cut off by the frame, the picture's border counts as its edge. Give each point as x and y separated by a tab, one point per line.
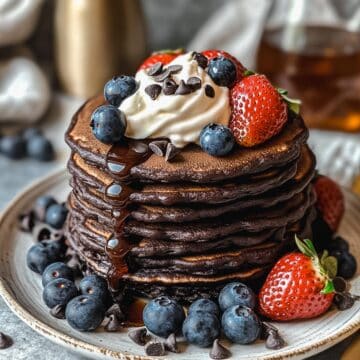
164	56
258	110
299	286
330	201
240	69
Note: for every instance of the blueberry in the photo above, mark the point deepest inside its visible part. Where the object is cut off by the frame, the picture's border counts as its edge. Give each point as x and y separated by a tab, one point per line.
163	316
338	243
31	132
201	328
59	292
42	203
236	293
108	124
241	325
119	88
55	271
216	140
97	286
41	255
222	71
205	305
85	313
40	148
346	263
56	215
13	147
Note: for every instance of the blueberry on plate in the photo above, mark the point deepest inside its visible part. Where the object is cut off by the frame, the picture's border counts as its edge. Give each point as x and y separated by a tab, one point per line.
108	124
42	203
201	328
85	313
216	140
96	286
40	148
14	147
241	325
236	293
222	71
119	88
346	263
205	305
163	316
56	215
55	271
59	292
40	255
31	132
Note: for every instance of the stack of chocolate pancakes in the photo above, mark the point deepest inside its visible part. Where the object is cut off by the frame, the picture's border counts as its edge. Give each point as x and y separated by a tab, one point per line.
187	226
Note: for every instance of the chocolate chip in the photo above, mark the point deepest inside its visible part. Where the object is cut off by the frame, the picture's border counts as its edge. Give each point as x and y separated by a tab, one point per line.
140	147
158	147
200	59
161	77
112	324
183	89
209	91
153	91
345	300
219	351
171	344
155	69
194	82
339	284
174	69
138	336
58	311
42	232
169	87
171	151
5	341
27	221
155	348
266	328
115	309
274	341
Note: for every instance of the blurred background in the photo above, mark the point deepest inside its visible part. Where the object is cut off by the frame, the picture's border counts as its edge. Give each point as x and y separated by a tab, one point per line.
56	53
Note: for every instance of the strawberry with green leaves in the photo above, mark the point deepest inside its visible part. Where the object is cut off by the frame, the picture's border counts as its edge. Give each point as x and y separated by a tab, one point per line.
299	286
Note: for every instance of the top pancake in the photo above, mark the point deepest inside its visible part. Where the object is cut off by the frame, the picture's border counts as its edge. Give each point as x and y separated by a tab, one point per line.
192	164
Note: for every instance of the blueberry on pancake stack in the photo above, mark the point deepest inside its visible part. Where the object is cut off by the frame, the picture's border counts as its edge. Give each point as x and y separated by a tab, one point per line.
191	174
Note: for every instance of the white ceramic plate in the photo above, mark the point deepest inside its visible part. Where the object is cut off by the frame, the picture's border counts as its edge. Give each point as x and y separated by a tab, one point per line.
21	289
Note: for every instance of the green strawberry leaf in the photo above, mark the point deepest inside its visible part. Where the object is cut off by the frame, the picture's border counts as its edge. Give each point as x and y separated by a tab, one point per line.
328	288
324	255
305	248
310	245
282	91
248	72
330	266
293	104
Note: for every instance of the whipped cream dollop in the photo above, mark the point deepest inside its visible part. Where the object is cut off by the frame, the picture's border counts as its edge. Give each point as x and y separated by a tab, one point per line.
180	118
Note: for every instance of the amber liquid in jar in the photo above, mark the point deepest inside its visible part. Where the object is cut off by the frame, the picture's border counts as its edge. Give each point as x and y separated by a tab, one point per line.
321	67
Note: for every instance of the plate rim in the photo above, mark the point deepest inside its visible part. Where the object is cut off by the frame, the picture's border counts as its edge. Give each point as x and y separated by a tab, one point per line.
71	343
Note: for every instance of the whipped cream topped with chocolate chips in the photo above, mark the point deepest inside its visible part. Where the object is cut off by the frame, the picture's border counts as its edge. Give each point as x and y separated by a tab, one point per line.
175	101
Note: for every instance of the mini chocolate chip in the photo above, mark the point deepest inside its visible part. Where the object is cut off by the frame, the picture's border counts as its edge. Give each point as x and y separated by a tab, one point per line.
344	301
153	91
219	351
161	77
158	147
200	59
174	69
209	91
115	309
169	87
42	232
140	147
155	69
171	151
194	82
27	222
171	344
339	284
274	341
183	89
139	336
266	328
112	324
155	348
58	311
5	341
73	262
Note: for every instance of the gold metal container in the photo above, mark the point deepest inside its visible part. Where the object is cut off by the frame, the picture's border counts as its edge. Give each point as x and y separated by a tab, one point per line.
95	40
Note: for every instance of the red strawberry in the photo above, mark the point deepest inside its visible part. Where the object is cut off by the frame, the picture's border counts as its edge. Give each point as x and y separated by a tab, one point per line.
330	201
258	110
164	57
299	286
213	53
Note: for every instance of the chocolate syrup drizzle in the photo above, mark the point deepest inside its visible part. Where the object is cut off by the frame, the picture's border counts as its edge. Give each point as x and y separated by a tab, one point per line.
120	159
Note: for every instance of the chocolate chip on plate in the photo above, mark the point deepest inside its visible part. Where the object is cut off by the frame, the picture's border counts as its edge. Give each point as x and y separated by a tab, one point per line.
158	147
183	89
339	284
112	324
274	341
27	221
5	341
58	312
153	91
155	348
345	300
156	69
194	82
171	151
218	351
161	77
138	336
209	91
115	310
169	87
200	59
171	344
